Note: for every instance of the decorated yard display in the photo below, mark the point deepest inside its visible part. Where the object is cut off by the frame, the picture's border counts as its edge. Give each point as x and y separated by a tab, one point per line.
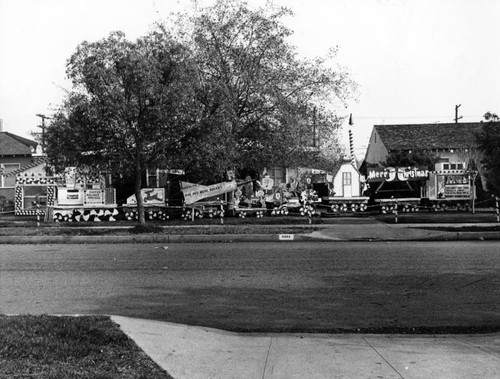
155	205
417	188
84	214
82	196
330	192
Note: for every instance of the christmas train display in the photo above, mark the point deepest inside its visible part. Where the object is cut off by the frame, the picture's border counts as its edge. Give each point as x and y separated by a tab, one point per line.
410	189
240	198
198	201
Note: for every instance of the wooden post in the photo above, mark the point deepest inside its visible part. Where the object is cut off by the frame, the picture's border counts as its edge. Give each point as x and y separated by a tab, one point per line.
221	212
474	174
497	211
473	198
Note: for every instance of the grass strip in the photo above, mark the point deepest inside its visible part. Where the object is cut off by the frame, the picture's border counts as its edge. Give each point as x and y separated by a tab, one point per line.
70	347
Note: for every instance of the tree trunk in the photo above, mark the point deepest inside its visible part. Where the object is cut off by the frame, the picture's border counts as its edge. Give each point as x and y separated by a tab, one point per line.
138	197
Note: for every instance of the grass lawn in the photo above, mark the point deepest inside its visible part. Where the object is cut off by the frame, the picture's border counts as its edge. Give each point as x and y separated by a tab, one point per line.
232	225
291	224
70	347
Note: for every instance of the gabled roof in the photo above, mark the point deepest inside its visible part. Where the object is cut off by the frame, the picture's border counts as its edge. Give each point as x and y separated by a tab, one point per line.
429	136
11	144
338	165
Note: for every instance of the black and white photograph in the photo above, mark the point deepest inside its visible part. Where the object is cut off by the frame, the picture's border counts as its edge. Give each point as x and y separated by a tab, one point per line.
249	189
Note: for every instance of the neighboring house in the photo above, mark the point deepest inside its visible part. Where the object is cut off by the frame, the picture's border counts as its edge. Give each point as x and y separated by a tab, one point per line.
453	143
16	155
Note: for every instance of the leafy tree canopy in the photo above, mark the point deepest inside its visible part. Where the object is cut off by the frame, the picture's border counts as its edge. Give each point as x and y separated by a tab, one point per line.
260	101
490	116
489	144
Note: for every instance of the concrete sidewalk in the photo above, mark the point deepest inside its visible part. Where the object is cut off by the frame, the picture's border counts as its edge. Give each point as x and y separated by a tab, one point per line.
198	352
404	232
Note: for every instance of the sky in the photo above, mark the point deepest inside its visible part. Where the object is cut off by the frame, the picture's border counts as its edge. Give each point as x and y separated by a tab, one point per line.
413	60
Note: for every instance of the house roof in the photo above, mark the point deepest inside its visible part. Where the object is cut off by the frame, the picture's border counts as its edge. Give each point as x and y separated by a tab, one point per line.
429	136
11	144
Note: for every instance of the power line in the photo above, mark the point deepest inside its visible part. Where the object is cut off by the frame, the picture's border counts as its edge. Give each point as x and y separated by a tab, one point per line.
412	117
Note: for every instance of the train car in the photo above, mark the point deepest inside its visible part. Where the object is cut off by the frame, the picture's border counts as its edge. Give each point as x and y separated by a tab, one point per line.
411	189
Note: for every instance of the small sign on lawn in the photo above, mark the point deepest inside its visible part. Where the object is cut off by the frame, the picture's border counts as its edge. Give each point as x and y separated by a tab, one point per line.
286	237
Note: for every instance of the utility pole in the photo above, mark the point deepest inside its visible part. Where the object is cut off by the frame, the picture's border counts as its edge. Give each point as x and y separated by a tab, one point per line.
456	113
43	117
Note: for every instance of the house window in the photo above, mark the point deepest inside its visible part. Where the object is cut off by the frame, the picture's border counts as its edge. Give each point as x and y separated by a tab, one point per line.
346	178
8	181
453	166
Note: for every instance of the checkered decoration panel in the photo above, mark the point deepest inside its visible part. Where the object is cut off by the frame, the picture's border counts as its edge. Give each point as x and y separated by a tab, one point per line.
34	179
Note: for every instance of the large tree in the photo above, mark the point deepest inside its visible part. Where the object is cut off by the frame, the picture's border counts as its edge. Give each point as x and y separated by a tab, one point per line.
261	103
130	106
228	91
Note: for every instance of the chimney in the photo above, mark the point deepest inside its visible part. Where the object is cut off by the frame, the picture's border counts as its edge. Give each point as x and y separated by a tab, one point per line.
1	125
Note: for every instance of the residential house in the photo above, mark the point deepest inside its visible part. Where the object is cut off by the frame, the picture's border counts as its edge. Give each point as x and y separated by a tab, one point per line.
448	141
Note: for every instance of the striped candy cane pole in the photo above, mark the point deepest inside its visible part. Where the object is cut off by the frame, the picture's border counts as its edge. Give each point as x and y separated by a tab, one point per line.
351	148
351	142
396	212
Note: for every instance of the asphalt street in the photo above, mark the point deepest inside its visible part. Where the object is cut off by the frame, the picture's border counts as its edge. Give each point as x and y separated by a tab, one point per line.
283	286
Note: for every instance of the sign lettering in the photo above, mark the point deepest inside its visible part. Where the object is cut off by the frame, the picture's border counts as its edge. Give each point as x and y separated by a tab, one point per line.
195	192
389	174
94	196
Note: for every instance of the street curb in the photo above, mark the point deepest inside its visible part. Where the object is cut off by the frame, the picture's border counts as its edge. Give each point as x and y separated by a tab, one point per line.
229	238
467	236
149	238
